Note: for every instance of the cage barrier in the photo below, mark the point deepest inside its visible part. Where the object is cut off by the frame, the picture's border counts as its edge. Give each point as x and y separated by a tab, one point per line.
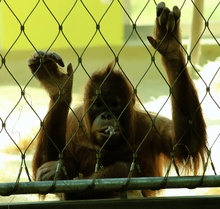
131	22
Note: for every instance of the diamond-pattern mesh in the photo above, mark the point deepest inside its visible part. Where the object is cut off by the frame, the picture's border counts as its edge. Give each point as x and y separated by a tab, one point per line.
43	25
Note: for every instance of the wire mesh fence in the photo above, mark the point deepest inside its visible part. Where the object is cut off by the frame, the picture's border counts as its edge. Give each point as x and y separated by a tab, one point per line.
90	34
